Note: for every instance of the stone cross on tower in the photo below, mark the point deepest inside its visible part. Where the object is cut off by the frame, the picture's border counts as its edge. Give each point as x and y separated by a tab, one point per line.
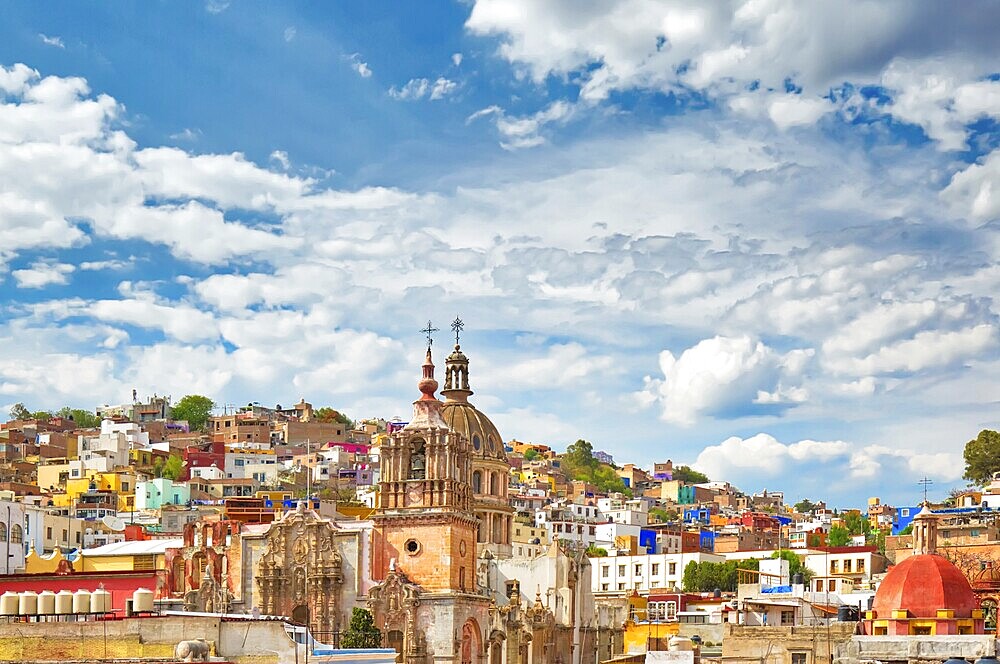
429	331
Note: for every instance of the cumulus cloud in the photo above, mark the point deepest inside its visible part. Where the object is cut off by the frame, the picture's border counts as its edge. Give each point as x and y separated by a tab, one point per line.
723	376
43	274
974	192
763	456
289	33
524	131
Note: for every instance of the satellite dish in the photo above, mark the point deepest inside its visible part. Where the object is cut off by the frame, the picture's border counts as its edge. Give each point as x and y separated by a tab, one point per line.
114	523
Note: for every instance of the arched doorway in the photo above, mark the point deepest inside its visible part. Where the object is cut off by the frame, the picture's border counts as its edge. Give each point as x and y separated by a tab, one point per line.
471	643
300	614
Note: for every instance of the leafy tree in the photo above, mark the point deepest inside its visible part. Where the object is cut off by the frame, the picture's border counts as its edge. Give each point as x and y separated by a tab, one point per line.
795	565
158	465
879	541
663	515
689	475
194	408
706	577
173	467
596	552
19	412
362	632
41	415
838	536
83	418
579	463
908	530
531	455
804	506
857	524
982	457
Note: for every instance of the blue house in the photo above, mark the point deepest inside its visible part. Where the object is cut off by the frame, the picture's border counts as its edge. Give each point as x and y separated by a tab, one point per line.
902	518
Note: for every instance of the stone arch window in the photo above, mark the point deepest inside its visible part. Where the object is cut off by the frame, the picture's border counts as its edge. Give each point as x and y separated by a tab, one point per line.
477	481
3	531
16	534
418	460
476	442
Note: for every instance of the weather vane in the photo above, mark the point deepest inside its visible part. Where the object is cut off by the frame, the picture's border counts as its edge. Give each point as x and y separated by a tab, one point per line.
457	325
429	330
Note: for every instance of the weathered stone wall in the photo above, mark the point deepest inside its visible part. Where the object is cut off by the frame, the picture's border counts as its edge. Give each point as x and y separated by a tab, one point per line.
916	649
774	645
247	642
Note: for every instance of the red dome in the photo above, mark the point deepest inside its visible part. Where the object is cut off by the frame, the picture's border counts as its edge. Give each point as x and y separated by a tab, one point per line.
923	584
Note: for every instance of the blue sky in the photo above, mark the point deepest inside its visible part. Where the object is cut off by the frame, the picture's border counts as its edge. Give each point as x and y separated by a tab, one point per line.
757	237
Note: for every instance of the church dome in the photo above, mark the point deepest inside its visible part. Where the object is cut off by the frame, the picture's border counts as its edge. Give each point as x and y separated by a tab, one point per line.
922	584
481	433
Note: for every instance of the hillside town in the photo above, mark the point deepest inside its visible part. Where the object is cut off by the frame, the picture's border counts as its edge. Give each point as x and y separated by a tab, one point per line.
307	534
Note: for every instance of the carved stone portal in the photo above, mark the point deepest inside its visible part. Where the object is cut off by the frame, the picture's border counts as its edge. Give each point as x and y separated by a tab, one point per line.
300	574
394	604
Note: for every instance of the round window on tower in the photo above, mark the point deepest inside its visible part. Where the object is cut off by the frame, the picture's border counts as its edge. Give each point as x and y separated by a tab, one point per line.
476	442
412	547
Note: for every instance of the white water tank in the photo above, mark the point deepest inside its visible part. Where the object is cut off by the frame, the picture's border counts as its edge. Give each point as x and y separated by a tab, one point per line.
100	601
64	602
81	601
679	643
8	604
27	603
46	603
142	600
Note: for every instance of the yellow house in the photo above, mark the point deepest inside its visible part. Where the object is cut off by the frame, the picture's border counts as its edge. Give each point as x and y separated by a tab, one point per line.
127	556
643	635
52	475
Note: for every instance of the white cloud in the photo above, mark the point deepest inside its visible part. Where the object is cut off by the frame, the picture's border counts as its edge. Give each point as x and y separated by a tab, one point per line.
722	374
359	65
525	131
456	59
186	134
794	110
51	41
763	456
216	6
289	33
421	88
975	192
926	349
280	157
43	274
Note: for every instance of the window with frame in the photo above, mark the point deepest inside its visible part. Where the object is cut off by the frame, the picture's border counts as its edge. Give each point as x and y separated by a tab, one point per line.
673	569
799	658
655	569
604	571
861	565
819	585
638	570
670	610
621	570
788	617
847	567
621	586
834	567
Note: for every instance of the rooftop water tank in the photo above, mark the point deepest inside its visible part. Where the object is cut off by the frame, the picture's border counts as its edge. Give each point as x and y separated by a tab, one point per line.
64	602
27	603
677	643
46	603
100	601
8	604
81	601
142	600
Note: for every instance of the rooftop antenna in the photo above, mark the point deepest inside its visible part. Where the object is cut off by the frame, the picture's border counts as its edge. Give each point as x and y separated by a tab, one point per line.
925	482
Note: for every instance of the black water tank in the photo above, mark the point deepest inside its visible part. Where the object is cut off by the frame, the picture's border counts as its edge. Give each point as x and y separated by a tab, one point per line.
846	613
798	579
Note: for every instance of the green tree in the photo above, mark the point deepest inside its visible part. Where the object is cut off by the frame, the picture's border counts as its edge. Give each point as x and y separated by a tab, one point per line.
857	524
838	536
41	415
173	467
804	506
689	475
531	454
19	412
982	457
362	632
908	530
663	515
158	465
194	408
795	565
596	552
706	577
83	418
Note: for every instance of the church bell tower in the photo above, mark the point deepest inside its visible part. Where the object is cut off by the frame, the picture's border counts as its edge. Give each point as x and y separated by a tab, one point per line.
424	523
